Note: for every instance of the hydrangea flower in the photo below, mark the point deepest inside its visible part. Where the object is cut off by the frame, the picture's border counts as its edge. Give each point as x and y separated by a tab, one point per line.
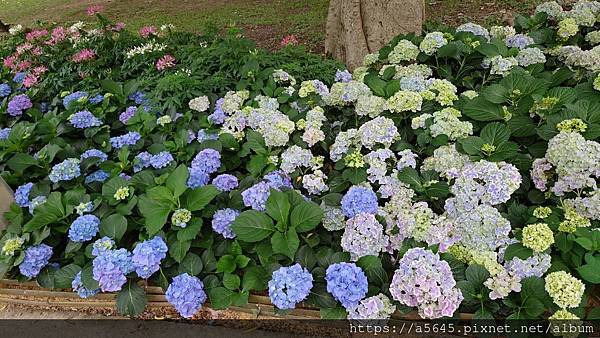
82	208
102	245
474	29
181	217
375	307
519	41
425	281
121	194
97	176
4	133
94	153
225	182
147	256
81	290
207	161
36	258
65	171
110	268
222	220
129	139
84	228
74	97
502	284
363	236
5	90
198	177
343	76
315	183
432	42
536	265
200	104
22	195
12	245
186	294
125	116
403	51
289	286
347	283
538	237
84	119
333	218
565	290
36	202
359	200
18	104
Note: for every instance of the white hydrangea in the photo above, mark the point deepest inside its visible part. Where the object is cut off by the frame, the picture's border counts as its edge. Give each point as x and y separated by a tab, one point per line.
295	157
315	183
200	104
404	51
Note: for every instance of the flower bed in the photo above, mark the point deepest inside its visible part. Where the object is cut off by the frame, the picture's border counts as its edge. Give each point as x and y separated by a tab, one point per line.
454	172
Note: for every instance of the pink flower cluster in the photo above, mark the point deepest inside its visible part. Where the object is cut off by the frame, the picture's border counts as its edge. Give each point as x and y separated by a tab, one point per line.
289	40
84	55
147	31
94	9
165	62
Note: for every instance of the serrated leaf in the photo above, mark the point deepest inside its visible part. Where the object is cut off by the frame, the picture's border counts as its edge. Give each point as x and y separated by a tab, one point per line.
278	206
177	181
131	300
286	243
198	198
252	226
113	226
306	216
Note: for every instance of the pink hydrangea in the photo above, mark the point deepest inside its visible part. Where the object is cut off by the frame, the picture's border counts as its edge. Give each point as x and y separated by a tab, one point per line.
30	80
146	31
84	55
165	62
36	34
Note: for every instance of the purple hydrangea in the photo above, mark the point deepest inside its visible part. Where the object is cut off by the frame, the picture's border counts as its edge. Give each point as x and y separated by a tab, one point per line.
203	135
225	182
97	176
110	269
222	220
198	178
343	76
256	196
359	200
18	104
73	97
84	228
207	160
425	281
218	117
186	294
102	245
94	153
289	286
278	179
536	265
347	283
147	256
96	99
81	290
4	133
36	258
22	195
65	171
519	41
84	119
5	90
129	139
125	116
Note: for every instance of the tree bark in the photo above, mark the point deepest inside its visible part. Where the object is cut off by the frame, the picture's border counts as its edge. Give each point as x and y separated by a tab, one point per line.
356	28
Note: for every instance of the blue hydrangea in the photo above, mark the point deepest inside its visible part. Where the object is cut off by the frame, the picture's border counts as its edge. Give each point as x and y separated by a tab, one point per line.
18	104
65	171
138	97
198	178
102	245
203	135
22	195
19	77
81	290
186	294
161	160
84	228
289	286
96	99
225	182
222	220
207	160
4	133
142	161
110	269
147	256
100	155
84	119
256	196
37	201
347	283
343	76
97	176
359	200
218	116
5	90
278	179
125	116
129	139
73	97
519	41
36	258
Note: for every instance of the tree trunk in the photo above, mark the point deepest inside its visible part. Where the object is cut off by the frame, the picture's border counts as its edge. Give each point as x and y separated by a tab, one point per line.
356	28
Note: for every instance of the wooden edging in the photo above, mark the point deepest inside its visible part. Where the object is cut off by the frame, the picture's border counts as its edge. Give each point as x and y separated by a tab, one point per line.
259	307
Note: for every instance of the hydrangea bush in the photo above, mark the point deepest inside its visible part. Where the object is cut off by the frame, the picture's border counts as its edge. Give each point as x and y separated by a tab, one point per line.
455	171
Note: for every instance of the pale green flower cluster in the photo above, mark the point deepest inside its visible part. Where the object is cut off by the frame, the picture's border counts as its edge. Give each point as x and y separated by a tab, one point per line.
502	32
333	218
432	42
446	160
572	220
501	65
312	128
412	70
566	291
232	102
572	125
597	83
446	122
181	217
446	91
404	101
164	120
470	94
567	28
542	212
530	56
404	51
122	193
370	105
273	125
12	245
371	59
538	237
593	38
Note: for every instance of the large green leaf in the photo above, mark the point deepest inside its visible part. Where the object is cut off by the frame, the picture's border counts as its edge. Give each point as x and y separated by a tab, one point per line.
255	278
192	264
113	226
177	181
286	243
131	300
198	198
306	216
479	109
47	213
278	206
155	214
65	275
495	133
252	226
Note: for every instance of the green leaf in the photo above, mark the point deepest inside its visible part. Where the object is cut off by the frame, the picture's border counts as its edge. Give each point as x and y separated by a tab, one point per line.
374	270
495	133
113	226
19	162
155	214
533	307
47	213
306	216
226	264
110	187
190	232
252	226
65	276
286	243
46	277
231	282
335	313
517	250
198	198
220	298
479	109
87	278
177	181
590	271
476	274
376	84
131	300
521	126
255	278
278	206
178	250
241	261
533	287
411	177
192	264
